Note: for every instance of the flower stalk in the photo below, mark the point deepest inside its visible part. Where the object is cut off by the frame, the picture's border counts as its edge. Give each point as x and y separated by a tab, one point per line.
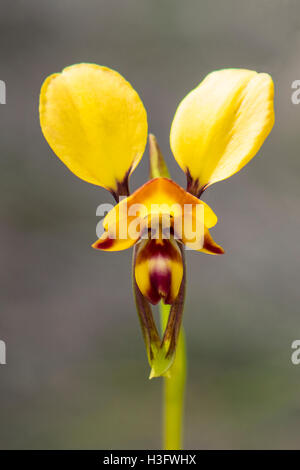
173	391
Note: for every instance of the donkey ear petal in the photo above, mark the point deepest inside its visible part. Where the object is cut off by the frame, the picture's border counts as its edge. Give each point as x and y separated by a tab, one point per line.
95	122
220	125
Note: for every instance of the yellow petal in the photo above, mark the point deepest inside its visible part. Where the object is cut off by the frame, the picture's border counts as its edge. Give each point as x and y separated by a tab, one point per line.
106	243
95	122
221	124
159	270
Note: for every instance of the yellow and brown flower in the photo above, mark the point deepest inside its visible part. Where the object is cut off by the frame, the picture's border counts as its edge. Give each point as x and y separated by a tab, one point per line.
96	124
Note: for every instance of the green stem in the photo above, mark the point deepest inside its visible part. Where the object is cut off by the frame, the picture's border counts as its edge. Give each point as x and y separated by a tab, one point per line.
173	390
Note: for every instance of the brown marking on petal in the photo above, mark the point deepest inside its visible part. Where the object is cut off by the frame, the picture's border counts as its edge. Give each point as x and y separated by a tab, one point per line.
161	248
210	245
103	244
217	250
160	286
193	186
152	296
122	188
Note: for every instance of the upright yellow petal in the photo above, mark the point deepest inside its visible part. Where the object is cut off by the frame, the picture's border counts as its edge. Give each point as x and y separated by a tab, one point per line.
221	124
95	122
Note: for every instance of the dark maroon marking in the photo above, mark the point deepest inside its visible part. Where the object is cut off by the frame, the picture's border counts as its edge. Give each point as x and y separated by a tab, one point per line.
213	248
155	248
122	187
105	244
160	286
194	186
153	296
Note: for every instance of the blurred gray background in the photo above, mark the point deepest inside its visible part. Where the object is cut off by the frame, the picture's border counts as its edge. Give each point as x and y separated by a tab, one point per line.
76	373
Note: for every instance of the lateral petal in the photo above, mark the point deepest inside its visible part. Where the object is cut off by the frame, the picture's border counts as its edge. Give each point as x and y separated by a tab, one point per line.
220	125
160	199
95	122
210	246
158	196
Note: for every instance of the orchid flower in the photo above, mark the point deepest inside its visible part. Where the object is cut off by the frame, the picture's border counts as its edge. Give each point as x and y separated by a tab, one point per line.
96	123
